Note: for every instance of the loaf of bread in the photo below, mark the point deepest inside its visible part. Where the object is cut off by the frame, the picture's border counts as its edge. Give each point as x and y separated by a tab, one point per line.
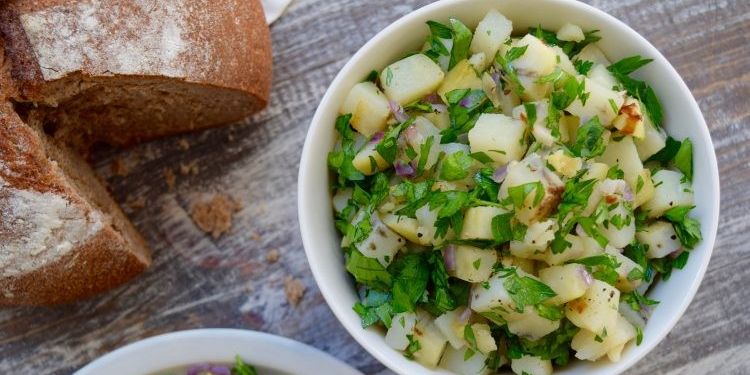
78	72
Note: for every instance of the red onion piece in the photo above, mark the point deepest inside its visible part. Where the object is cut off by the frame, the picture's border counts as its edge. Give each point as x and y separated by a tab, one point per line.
675	253
398	111
377	137
449	256
465	315
500	174
404	169
627	193
580	231
586	276
433	98
204	368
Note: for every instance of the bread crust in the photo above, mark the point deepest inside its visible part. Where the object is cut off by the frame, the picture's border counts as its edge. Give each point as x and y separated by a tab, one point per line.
51	53
212	42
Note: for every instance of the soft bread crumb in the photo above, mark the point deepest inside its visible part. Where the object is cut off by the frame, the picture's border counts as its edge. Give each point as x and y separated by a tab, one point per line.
190	168
119	168
169	178
214	216
294	290
136	203
184	144
273	256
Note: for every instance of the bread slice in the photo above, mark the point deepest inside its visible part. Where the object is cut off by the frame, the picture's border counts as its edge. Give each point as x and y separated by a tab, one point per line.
121	71
81	72
63	237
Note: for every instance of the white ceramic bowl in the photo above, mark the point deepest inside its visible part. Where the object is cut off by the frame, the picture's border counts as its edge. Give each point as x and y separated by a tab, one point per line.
683	119
271	355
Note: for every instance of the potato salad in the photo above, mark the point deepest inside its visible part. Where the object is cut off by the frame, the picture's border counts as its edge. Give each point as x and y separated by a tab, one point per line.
507	197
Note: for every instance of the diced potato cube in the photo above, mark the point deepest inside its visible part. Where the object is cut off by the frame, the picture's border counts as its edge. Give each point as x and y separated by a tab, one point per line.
533	90
478	222
462	76
602	76
402	325
367	158
568	127
538	60
629	121
569	281
530	365
623	154
565	165
485	342
574	251
653	140
382	243
626	267
453	361
406	227
591	247
669	191
532	169
661	239
411	78
452	328
563	61
499	136
529	324
615	353
490	34
441	120
432	343
644	188
596	171
369	108
571	33
596	309
622	236
341	199
537	238
491	297
474	264
599	103
592	346
592	53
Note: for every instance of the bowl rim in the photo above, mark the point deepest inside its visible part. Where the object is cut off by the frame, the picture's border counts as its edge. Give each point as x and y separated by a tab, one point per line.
266	351
355	330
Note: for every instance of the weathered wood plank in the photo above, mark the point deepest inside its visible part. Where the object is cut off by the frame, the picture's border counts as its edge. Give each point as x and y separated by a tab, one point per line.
197	281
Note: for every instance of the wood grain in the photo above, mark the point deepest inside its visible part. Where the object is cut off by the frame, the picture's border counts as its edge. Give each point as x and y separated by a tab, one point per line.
197	281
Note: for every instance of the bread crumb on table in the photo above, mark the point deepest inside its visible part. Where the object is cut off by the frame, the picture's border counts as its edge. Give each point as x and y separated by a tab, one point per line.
273	256
169	178
184	144
119	168
190	168
214	216
294	290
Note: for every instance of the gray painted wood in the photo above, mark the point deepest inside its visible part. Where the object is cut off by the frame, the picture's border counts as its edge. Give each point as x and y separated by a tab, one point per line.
197	281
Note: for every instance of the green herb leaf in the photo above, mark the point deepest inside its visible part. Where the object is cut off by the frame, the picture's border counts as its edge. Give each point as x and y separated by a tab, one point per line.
553	313
589	139
524	290
341	160
410	282
368	271
683	160
637	301
413	347
502	229
515	52
388	146
461	42
464	108
570	48
603	267
639	89
242	368
518	194
583	66
456	166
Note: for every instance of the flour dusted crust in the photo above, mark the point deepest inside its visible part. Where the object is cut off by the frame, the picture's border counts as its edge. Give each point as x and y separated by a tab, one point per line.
56	247
74	72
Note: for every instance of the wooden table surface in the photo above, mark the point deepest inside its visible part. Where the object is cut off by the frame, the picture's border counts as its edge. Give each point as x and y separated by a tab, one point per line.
198	281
